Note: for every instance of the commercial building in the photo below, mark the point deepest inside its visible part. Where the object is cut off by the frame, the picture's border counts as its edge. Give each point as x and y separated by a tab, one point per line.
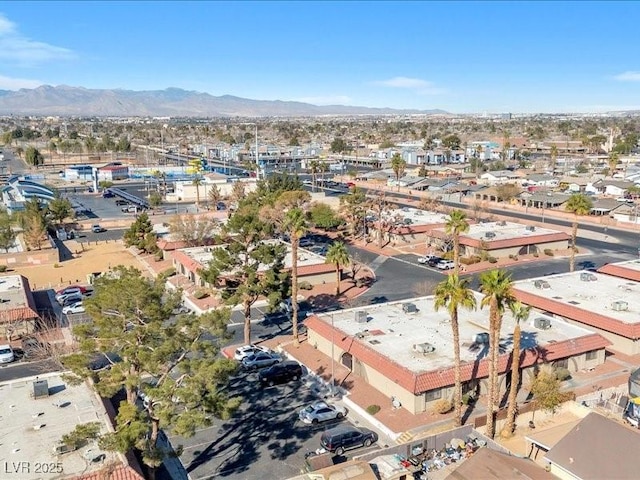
37	413
405	349
18	312
603	303
20	190
113	172
187	191
311	267
501	239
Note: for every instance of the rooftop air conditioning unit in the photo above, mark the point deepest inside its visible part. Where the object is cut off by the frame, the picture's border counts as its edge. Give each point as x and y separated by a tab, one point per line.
40	389
530	228
361	316
620	306
424	348
542	323
490	235
541	284
588	277
409	308
482	338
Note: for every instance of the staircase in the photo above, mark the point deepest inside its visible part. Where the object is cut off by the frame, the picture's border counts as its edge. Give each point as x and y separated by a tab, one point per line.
405	437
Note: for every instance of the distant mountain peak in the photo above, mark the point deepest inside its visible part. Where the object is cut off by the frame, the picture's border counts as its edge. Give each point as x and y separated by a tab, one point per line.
66	100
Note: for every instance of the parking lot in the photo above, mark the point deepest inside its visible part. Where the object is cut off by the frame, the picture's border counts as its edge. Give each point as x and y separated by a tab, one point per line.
265	439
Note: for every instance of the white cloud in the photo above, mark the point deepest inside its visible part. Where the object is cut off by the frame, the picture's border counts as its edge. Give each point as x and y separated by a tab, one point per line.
8	83
628	77
326	100
24	51
421	87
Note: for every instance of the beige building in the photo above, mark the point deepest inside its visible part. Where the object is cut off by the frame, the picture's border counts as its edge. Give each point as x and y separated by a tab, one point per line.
187	191
405	349
603	303
18	313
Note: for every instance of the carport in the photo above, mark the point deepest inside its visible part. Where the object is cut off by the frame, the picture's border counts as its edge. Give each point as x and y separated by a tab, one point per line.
133	199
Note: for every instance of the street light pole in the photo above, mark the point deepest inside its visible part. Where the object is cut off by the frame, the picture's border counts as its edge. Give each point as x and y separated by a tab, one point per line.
333	381
257	164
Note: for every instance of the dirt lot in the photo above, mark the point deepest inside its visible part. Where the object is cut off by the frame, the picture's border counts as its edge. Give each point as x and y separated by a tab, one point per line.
95	258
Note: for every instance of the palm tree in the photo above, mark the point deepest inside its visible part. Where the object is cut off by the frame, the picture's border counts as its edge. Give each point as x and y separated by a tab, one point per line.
295	224
554	158
579	204
398	165
454	294
314	167
496	287
197	181
338	256
455	225
520	314
612	161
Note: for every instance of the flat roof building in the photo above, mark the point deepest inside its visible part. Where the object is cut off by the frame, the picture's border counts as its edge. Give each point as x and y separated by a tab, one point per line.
606	304
501	239
37	415
18	312
405	349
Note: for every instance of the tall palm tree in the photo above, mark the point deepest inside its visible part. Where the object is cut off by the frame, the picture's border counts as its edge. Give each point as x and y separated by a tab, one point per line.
197	181
453	294
398	165
295	224
612	161
455	225
338	256
520	313
496	287
554	158
314	167
579	204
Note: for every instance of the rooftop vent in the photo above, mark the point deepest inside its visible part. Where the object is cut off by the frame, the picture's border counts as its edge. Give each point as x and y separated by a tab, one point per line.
361	316
542	284
424	348
502	223
409	308
620	306
490	235
481	338
530	228
542	323
588	277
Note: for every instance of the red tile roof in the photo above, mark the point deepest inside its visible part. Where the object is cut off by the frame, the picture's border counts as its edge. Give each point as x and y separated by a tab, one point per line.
314	269
624	329
169	245
419	382
188	262
508	242
112	472
23	312
620	271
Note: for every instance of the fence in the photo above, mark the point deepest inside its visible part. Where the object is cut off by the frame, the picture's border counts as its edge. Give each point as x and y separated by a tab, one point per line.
612	400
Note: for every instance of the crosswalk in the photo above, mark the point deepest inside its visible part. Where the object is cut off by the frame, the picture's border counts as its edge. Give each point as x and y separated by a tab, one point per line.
377	262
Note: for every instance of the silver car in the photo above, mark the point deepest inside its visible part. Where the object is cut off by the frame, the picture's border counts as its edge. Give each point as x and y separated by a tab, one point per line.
321	412
261	359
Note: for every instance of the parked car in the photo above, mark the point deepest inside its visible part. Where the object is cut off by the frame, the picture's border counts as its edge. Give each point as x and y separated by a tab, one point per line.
445	265
345	437
32	348
424	260
306	242
73	289
77	307
434	261
98	229
321	412
6	354
71	299
261	359
130	209
248	350
282	372
69	293
221	206
121	202
107	194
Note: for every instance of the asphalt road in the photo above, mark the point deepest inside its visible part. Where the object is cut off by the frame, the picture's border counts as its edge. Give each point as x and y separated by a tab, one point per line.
20	369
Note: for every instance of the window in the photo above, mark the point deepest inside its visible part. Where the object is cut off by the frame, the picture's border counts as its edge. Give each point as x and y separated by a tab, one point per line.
433	395
592	355
564	363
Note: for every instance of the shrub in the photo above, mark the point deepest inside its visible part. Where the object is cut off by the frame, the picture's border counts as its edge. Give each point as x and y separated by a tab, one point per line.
563	374
169	272
548	252
373	409
476	259
158	256
466	261
3	268
442	406
304	285
56	265
535	255
492	260
200	294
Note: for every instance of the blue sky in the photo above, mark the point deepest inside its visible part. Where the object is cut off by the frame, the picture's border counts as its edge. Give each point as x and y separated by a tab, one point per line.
462	57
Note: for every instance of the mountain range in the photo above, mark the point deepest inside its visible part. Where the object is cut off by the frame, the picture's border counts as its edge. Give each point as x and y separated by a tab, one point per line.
172	102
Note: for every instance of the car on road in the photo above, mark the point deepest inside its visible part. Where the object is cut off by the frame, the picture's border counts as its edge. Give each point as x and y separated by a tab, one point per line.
261	360
445	265
248	350
98	229
283	372
77	307
425	259
6	354
338	439
321	412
